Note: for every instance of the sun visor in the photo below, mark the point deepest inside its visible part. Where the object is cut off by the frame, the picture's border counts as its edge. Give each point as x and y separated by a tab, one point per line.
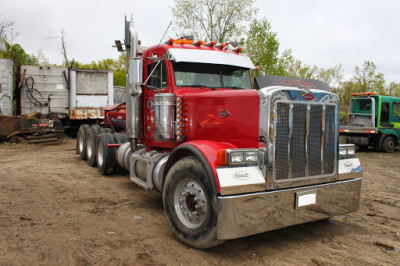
209	57
267	81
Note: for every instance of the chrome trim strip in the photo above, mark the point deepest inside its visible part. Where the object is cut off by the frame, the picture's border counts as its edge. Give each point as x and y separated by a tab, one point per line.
307	140
255	213
323	139
290	161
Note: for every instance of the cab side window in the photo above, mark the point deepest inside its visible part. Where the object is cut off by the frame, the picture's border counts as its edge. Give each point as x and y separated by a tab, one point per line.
158	78
396	109
385	112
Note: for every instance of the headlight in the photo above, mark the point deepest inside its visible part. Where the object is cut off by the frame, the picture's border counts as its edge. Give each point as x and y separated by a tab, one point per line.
347	150
238	157
251	156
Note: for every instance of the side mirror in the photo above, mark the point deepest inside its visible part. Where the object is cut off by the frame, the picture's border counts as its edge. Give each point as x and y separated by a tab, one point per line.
135	77
135	71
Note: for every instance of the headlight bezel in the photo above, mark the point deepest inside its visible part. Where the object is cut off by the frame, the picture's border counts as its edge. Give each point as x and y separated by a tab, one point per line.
347	151
243	157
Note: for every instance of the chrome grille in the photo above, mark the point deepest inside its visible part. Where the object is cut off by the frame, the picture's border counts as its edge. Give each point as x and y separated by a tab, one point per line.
305	140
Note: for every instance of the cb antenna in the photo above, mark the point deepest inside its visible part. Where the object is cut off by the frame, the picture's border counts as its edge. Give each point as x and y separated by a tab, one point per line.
155	52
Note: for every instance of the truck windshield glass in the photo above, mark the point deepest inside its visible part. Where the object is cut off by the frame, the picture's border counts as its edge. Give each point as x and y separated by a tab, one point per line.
211	76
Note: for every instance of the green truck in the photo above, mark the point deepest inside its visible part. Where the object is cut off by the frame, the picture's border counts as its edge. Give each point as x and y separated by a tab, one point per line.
373	120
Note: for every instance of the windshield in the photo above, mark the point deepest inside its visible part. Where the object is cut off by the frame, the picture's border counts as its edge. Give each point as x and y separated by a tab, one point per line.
211	76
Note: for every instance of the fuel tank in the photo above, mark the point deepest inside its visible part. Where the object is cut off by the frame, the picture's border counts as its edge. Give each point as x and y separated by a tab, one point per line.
224	115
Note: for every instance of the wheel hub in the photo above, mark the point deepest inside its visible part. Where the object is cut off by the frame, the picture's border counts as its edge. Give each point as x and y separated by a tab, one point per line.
190	203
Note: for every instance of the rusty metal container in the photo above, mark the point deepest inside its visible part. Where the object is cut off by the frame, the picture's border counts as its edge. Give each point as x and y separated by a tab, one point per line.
90	90
6	86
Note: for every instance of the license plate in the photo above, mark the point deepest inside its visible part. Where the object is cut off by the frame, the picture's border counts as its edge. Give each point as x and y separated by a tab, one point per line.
306	198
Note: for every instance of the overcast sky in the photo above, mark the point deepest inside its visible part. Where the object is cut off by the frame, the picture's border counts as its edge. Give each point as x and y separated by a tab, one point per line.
319	32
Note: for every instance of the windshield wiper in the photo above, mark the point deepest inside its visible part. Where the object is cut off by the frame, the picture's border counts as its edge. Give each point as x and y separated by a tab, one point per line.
234	87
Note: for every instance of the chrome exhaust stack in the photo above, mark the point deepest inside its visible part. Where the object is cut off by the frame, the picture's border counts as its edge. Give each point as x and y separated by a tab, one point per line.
134	81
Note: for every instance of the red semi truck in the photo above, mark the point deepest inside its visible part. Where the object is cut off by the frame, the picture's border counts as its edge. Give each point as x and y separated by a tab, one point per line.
230	161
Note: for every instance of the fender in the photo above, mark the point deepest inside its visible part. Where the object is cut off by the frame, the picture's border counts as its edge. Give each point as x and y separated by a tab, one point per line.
205	151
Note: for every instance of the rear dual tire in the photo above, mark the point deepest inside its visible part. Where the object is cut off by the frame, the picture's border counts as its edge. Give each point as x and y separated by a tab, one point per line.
106	156
81	141
91	140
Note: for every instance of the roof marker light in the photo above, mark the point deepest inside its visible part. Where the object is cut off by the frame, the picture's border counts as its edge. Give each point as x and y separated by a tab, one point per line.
211	44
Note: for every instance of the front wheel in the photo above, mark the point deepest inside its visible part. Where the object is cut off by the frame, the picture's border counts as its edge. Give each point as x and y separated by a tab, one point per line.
190	203
389	144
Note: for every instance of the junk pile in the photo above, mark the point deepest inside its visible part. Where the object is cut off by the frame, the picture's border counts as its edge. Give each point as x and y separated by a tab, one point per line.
32	128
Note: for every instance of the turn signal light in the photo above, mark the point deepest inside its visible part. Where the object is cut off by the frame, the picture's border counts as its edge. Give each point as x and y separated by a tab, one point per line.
221	157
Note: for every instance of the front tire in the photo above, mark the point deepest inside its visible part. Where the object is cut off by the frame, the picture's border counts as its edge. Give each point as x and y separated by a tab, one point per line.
389	144
190	203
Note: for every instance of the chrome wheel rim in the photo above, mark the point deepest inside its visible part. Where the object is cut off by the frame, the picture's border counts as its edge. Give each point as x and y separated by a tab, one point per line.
80	142
190	203
100	154
89	148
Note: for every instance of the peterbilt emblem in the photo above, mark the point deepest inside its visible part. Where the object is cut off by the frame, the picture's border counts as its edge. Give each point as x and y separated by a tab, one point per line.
242	175
348	164
224	114
308	97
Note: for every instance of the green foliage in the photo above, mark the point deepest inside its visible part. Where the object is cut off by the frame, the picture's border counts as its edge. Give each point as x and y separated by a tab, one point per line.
214	20
367	79
116	65
119	79
16	53
343	116
262	45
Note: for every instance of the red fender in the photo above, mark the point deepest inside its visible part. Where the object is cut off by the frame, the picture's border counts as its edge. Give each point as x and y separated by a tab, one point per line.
206	151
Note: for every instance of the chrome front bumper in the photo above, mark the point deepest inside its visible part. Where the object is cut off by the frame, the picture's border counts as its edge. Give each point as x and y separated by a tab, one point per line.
249	214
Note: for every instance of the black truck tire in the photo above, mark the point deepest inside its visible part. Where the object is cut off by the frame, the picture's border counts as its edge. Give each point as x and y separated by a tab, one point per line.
106	158
81	141
120	138
91	139
389	144
190	204
106	130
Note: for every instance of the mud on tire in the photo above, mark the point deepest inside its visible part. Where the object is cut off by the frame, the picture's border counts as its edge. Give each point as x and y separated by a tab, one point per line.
190	203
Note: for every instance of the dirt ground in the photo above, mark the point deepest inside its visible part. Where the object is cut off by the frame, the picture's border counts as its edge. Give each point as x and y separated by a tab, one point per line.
57	210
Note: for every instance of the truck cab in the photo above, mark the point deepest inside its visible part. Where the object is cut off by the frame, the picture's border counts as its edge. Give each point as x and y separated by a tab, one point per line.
373	120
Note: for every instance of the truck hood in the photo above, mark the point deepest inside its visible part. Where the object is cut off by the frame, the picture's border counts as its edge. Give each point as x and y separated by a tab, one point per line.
230	116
